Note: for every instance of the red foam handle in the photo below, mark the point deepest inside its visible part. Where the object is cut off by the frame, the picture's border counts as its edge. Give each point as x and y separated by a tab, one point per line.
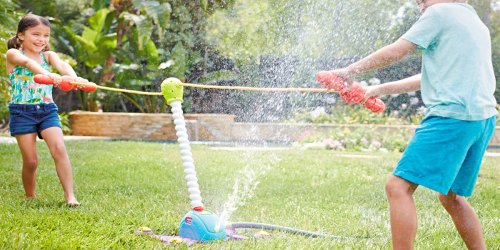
331	81
375	105
354	95
65	84
87	88
43	79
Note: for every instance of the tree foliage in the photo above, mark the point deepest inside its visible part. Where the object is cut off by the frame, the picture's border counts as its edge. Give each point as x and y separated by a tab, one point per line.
8	26
301	37
495	37
308	29
135	44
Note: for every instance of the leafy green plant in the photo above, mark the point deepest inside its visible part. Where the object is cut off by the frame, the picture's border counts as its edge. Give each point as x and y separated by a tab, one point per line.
65	123
8	26
498	110
135	44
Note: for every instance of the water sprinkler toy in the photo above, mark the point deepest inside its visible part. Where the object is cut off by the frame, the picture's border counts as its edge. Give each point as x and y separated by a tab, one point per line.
354	95
199	224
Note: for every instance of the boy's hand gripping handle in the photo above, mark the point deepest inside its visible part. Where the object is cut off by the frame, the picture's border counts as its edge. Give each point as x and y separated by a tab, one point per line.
65	83
354	95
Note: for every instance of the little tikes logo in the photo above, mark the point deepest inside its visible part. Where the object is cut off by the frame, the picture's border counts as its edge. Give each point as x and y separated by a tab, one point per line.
189	220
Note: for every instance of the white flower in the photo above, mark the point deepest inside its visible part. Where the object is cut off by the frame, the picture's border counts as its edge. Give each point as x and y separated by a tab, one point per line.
166	64
331	100
364	141
414	101
317	112
333	144
375	144
374	81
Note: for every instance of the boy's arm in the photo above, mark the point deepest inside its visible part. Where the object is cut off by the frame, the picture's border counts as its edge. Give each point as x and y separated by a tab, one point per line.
410	84
16	58
63	67
382	57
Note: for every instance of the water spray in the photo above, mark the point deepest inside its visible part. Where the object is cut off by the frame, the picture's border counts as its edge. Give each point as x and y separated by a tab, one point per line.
200	225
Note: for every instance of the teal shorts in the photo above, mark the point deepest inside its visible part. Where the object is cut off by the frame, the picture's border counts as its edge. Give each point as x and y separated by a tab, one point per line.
445	154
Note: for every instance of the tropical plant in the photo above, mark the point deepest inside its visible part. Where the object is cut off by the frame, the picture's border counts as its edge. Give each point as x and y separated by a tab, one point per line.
65	123
8	26
136	44
97	45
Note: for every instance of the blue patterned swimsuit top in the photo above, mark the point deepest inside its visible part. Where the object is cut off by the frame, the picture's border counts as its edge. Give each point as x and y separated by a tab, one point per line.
25	90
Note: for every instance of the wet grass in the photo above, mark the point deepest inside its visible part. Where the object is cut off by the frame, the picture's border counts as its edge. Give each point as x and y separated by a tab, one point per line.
125	185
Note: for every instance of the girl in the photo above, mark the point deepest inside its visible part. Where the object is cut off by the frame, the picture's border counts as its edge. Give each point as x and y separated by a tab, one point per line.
32	109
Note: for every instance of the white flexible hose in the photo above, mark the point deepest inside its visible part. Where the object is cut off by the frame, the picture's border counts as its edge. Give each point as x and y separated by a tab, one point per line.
187	157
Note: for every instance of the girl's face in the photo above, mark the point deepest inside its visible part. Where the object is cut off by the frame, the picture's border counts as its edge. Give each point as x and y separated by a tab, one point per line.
35	38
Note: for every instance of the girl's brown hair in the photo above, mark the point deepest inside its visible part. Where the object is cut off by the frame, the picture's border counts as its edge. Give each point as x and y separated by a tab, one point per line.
27	22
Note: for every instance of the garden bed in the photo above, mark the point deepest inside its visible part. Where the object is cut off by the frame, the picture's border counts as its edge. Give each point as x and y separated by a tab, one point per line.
216	127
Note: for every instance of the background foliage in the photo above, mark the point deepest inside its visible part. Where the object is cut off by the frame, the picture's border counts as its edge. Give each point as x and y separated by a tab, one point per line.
135	44
8	23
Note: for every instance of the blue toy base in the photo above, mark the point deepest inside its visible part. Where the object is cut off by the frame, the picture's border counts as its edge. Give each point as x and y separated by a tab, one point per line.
202	226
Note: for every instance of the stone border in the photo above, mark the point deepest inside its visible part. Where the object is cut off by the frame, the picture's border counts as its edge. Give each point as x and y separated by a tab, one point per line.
205	127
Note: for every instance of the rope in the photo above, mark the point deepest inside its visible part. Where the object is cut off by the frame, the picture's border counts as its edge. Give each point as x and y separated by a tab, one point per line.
255	88
192	85
117	89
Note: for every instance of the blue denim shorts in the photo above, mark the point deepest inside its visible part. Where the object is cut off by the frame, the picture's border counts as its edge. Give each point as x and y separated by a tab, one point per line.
446	154
32	118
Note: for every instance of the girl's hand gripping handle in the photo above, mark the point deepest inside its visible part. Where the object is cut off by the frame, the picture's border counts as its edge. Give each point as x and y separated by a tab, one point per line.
65	83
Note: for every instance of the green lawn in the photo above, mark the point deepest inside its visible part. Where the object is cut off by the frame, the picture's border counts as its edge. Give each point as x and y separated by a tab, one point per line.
126	185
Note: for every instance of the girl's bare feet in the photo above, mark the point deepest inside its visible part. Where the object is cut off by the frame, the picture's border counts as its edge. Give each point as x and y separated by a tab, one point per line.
72	202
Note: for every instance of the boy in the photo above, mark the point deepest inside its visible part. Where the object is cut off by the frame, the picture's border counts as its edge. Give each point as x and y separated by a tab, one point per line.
457	84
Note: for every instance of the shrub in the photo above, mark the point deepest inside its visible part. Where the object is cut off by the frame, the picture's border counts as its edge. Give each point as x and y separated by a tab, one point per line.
368	138
349	114
66	127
